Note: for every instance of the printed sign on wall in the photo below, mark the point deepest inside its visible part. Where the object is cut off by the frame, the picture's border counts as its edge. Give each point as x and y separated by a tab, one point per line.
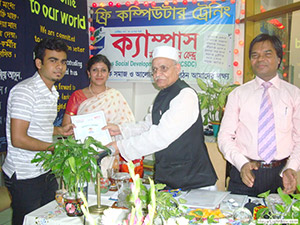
202	32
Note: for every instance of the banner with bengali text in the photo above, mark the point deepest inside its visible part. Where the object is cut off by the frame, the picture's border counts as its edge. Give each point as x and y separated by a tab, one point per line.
202	32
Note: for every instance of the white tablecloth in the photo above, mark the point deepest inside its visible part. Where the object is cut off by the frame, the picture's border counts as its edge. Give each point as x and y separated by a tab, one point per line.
52	214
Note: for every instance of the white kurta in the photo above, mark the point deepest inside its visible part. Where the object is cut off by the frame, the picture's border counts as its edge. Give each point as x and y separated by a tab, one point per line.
144	138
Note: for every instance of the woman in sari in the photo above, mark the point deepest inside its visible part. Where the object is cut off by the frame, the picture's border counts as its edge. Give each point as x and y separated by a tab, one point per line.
97	96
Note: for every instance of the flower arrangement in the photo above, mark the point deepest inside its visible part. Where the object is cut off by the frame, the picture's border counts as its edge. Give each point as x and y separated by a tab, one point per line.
148	206
152	207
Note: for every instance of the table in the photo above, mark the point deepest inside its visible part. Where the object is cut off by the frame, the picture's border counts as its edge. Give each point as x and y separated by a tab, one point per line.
52	214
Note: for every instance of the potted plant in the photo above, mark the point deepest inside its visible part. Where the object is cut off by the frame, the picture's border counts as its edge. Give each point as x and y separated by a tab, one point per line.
75	163
145	206
213	98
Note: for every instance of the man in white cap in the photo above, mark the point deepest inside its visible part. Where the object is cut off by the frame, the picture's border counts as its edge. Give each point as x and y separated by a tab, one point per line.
173	130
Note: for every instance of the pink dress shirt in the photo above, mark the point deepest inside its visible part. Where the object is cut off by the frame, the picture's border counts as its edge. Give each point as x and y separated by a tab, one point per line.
237	138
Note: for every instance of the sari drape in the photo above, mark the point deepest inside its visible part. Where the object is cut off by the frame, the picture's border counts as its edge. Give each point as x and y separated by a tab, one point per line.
116	110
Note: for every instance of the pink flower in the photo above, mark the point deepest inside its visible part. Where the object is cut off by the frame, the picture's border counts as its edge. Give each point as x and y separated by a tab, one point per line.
137	202
147	219
70	208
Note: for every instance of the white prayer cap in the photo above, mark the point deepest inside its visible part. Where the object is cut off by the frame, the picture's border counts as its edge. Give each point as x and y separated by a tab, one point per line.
165	52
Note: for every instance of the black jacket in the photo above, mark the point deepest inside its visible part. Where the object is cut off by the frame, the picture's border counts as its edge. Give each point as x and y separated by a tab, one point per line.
185	162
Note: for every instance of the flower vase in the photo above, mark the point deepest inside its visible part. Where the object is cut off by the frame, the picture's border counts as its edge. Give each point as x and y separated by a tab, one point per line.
72	205
216	127
59	197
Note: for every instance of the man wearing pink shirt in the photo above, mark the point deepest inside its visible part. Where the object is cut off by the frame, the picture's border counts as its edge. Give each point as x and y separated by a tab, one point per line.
238	137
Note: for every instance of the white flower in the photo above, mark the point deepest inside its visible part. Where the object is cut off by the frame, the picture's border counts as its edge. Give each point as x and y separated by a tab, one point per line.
177	221
171	221
113	216
182	221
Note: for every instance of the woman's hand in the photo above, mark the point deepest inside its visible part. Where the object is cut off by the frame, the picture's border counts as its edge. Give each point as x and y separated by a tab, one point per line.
113	129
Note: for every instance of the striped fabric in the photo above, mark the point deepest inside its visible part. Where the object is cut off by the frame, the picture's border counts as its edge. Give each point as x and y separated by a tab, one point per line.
32	101
266	127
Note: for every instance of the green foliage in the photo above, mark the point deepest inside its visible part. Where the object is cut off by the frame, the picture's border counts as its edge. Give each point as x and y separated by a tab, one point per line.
213	99
289	210
166	205
74	162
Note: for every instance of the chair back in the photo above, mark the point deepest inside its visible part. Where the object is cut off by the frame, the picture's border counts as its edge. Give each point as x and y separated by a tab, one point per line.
219	164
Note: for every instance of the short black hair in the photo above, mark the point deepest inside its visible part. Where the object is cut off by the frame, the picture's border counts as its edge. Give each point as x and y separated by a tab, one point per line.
96	59
54	43
274	40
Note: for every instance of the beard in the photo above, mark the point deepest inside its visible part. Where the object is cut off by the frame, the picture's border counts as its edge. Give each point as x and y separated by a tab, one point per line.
56	79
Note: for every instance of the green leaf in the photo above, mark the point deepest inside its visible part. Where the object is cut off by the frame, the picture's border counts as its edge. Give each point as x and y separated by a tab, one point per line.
216	84
262	212
87	175
201	84
182	201
216	90
85	152
67	173
210	219
264	195
204	103
160	186
221	101
199	213
72	164
296	206
205	122
189	217
285	197
211	91
279	208
296	196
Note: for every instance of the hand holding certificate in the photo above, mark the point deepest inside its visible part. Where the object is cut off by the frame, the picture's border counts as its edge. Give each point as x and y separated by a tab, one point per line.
91	125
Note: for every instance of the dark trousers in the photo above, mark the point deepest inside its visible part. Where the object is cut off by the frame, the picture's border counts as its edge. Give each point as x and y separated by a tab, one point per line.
265	179
30	194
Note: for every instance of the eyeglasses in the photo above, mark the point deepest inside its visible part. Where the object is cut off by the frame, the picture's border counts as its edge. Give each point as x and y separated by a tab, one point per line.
162	69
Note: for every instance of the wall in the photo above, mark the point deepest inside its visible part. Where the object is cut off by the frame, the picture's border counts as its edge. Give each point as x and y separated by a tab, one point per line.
141	95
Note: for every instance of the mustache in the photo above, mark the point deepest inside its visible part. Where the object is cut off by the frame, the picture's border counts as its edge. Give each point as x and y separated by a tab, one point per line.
158	77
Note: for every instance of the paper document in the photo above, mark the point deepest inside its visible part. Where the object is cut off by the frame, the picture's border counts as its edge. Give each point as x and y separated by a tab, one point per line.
91	125
197	198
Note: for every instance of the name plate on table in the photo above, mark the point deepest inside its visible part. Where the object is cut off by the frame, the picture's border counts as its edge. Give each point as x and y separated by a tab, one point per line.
91	125
204	199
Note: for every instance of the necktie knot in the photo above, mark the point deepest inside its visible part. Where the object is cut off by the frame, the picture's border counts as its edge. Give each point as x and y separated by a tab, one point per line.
266	84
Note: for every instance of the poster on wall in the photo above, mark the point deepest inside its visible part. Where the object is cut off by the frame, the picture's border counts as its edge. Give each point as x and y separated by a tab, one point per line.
202	32
24	23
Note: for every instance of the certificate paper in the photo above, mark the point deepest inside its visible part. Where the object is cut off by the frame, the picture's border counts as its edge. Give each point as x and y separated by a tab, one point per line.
91	125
